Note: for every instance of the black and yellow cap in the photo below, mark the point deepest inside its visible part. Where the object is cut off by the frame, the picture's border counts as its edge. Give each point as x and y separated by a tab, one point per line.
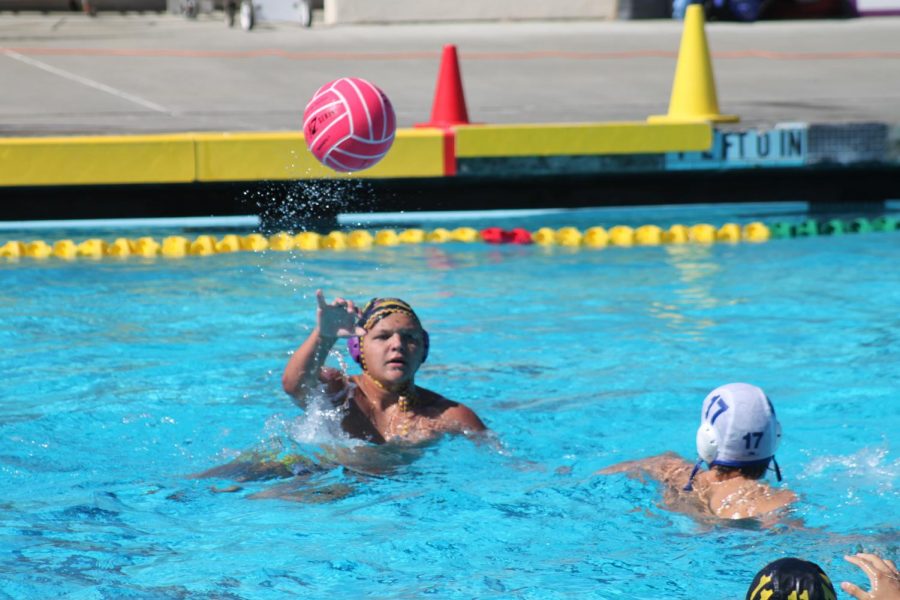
378	308
791	579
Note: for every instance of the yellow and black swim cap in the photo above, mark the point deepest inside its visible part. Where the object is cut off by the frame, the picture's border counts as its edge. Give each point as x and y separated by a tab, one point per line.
375	310
791	579
378	308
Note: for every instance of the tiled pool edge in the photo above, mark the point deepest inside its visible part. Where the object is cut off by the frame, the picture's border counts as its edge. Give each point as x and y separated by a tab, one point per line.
541	165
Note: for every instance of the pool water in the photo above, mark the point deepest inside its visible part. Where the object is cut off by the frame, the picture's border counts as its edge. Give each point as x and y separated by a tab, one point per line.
121	378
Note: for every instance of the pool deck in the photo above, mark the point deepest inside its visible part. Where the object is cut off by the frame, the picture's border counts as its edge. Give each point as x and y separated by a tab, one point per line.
162	73
827	88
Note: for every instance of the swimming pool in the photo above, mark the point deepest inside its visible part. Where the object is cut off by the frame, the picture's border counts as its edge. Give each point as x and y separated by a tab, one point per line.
122	377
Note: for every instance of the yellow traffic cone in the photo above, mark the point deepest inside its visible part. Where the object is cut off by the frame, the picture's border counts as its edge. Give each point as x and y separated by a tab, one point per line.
694	90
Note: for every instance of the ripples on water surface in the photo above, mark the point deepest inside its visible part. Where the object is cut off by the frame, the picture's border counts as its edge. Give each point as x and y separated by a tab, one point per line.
119	379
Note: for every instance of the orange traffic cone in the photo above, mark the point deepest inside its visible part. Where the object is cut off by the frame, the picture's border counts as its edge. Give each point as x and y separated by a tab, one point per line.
449	106
694	90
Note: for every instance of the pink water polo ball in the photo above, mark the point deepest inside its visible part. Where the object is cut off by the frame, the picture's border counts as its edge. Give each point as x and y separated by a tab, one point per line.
349	124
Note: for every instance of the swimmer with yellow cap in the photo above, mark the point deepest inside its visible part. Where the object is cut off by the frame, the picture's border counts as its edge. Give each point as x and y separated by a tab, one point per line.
791	579
797	579
737	439
383	404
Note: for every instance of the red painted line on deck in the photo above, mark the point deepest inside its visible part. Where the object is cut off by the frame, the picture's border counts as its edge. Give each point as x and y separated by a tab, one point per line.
766	54
391	56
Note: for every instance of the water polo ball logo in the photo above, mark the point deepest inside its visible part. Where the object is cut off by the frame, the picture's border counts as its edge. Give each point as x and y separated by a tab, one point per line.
349	124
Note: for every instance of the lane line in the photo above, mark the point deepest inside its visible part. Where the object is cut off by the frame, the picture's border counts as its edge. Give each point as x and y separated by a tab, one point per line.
415	55
251	221
84	81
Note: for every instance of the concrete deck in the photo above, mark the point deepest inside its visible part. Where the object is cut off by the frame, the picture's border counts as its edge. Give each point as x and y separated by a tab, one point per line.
120	74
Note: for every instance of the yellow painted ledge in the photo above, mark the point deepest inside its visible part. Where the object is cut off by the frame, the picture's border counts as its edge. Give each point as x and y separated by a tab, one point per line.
214	157
493	141
204	157
97	160
275	156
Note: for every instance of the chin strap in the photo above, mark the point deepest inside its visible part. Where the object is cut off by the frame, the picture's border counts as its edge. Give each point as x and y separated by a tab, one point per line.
689	485
777	469
407	397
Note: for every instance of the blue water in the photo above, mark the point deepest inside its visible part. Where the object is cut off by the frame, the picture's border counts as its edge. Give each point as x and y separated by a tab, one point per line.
121	378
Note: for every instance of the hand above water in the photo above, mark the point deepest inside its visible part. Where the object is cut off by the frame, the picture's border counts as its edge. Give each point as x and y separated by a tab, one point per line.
884	578
337	319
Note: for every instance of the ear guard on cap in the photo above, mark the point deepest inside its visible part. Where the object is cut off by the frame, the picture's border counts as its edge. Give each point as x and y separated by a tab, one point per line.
354	346
708	442
707	450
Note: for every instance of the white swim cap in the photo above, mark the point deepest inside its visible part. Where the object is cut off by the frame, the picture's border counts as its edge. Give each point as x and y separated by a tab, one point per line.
738	427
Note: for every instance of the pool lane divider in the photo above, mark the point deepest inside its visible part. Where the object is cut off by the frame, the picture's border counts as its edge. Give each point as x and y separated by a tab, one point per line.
361	239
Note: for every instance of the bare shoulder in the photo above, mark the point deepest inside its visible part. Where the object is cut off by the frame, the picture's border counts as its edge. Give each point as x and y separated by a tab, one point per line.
452	416
462	417
742	499
775	498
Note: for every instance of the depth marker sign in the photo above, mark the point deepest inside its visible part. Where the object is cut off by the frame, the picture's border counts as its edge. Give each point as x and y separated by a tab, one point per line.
783	146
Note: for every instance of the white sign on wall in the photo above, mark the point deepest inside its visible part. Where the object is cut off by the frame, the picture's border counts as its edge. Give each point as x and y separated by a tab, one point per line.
783	146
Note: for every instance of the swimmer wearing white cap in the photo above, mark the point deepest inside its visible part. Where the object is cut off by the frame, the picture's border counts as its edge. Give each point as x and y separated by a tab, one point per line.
737	439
